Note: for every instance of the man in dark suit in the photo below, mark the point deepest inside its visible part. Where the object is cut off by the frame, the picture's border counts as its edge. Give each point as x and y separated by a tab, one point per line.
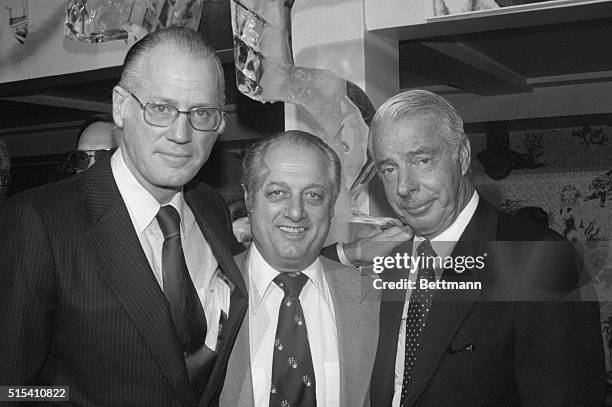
292	182
120	282
504	340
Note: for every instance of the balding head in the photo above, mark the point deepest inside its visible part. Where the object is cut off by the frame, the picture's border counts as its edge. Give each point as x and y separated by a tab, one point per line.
98	136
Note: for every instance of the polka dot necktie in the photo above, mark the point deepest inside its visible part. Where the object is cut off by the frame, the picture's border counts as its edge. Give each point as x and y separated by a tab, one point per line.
418	309
293	380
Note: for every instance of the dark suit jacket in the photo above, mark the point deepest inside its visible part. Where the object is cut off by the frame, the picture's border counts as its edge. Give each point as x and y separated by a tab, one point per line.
356	308
80	305
485	348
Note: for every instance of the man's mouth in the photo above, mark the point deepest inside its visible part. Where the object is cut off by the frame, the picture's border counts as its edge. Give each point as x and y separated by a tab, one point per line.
177	155
292	229
417	209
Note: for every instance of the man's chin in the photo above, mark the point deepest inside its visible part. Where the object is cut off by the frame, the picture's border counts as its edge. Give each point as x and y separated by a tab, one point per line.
175	182
291	256
421	227
297	260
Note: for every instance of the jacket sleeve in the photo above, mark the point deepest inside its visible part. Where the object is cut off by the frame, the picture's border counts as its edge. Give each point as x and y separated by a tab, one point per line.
27	299
559	357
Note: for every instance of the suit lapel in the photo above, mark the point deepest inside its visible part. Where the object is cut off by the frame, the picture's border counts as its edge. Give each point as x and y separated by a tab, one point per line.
211	229
451	307
346	293
238	387
391	307
125	270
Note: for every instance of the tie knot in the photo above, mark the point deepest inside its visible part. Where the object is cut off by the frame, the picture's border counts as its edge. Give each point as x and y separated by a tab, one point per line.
169	221
425	249
291	283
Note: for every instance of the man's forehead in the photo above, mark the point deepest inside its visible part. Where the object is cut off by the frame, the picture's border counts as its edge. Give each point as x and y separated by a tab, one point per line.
172	67
283	158
413	134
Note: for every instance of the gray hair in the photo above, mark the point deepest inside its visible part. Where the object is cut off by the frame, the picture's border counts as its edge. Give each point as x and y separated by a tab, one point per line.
181	38
253	160
419	102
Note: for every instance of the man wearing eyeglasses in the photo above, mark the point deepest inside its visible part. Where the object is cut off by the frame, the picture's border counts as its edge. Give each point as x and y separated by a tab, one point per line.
97	138
120	282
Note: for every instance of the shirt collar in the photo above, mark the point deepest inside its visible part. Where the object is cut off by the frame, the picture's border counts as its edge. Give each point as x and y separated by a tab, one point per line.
141	205
444	242
261	279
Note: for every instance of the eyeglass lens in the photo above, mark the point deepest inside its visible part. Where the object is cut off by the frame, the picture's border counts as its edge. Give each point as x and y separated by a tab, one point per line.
80	160
201	118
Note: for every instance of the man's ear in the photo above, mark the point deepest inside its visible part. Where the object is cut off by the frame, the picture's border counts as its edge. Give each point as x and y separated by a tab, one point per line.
120	100
221	128
247	204
464	155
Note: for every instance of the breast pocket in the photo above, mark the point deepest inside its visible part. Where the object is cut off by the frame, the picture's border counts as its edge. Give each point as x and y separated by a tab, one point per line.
475	355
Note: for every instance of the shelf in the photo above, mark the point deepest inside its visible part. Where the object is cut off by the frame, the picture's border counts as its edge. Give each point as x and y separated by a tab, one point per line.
410	21
501	51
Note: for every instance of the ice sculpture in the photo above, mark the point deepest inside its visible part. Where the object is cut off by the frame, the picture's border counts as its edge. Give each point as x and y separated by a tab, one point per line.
106	20
265	71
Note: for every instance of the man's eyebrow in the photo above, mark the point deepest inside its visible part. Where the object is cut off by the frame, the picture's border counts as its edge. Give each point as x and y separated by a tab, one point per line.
382	163
276	184
175	103
424	150
162	99
315	185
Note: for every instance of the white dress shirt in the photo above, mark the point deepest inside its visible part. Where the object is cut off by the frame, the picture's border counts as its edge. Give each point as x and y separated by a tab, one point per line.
142	207
443	244
264	302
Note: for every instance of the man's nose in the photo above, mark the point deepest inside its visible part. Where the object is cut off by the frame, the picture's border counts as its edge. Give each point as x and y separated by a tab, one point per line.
295	209
181	130
406	182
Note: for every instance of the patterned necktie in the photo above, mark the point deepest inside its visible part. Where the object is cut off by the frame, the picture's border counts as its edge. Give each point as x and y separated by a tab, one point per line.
293	380
185	307
418	310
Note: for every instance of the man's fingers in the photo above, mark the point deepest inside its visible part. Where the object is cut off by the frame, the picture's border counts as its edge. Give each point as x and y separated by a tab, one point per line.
395	233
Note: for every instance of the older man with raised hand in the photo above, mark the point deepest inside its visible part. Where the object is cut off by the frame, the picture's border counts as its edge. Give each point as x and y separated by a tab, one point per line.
120	282
478	346
310	334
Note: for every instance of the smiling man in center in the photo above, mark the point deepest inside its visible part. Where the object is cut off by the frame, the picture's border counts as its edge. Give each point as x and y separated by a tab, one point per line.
307	319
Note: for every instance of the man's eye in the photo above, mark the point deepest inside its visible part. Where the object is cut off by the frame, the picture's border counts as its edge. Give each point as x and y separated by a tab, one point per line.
424	162
388	170
160	109
203	113
276	193
313	196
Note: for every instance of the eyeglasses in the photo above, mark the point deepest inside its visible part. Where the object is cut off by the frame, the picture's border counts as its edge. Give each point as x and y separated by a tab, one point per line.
163	115
80	160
